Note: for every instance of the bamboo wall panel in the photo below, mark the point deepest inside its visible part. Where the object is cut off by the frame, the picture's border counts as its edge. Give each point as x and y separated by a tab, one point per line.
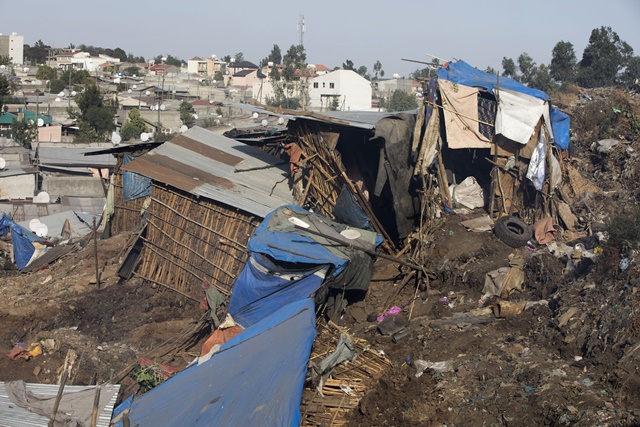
191	240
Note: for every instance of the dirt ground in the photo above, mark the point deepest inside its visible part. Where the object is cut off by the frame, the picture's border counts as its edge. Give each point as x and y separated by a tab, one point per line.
571	361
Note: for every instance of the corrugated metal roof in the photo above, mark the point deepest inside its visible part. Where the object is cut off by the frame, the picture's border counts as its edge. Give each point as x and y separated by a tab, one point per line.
56	221
357	119
62	154
83	204
17	170
11	415
210	165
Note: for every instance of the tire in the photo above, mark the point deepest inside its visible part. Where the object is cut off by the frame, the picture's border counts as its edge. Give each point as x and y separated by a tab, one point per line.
513	231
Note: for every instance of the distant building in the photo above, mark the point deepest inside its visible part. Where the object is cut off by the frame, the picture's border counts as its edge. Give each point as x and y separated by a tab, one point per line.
13	47
205	67
351	91
66	59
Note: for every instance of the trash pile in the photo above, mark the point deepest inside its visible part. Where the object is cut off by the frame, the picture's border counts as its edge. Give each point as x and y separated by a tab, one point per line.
472	261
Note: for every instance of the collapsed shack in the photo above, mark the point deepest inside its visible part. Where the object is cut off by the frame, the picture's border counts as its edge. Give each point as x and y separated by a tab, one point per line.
195	200
350	167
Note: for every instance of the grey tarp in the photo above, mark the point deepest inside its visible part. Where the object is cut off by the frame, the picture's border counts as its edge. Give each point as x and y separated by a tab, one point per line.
75	408
398	169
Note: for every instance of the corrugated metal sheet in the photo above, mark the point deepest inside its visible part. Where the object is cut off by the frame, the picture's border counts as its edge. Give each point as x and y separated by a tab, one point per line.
55	223
83	204
357	119
63	154
12	415
210	165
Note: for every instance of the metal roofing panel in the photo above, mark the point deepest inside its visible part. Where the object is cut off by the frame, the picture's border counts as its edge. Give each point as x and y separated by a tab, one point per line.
11	415
219	168
83	204
55	223
61	154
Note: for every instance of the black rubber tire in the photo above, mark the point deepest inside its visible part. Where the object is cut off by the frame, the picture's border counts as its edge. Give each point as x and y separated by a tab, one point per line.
513	231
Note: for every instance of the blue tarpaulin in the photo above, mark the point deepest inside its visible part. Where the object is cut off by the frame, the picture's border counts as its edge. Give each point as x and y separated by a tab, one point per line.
256	379
135	185
22	240
462	73
263	286
292	247
560	123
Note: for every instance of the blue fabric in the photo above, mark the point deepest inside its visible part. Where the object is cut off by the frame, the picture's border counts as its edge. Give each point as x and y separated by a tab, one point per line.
348	211
135	185
307	250
256	379
262	287
462	73
560	124
22	239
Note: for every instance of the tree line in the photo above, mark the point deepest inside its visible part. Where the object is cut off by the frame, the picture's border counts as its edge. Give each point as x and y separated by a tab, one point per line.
607	60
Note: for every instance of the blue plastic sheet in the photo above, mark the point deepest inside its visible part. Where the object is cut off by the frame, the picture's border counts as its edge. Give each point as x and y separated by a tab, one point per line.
262	287
22	240
560	124
462	73
135	185
256	379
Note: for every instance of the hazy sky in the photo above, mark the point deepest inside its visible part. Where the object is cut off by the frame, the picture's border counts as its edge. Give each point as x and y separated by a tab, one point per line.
480	32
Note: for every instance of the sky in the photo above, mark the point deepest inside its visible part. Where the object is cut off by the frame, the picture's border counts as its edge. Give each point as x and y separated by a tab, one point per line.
481	33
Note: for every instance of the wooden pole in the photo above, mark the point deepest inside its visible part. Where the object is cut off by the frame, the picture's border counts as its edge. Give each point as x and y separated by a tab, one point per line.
95	247
56	404
96	404
373	253
433	104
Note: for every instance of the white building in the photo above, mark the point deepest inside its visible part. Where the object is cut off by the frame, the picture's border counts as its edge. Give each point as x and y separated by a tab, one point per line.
80	61
351	90
13	47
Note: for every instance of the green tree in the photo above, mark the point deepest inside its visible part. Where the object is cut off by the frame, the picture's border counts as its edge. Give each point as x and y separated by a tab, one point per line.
401	101
134	126
603	58
5	88
94	112
120	54
335	103
378	71
362	70
37	54
87	134
186	114
132	70
239	57
5	60
490	70
542	79
563	62
348	65
24	132
527	67
632	72
509	68
46	73
275	56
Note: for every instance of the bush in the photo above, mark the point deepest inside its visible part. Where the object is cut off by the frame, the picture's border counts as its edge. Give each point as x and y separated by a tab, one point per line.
601	118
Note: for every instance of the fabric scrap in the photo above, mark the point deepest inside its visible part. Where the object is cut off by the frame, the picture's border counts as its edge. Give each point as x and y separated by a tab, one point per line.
460	105
544	231
518	114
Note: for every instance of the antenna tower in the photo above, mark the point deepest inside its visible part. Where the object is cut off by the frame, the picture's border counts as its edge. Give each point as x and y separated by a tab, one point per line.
301	27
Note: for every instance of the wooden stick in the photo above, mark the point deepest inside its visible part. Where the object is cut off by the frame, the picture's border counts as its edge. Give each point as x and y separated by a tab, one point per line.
350	245
442	180
56	404
167	286
240	246
95	248
96	404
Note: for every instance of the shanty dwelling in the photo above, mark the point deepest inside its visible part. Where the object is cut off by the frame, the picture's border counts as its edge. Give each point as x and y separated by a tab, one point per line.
199	198
503	135
352	167
351	90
